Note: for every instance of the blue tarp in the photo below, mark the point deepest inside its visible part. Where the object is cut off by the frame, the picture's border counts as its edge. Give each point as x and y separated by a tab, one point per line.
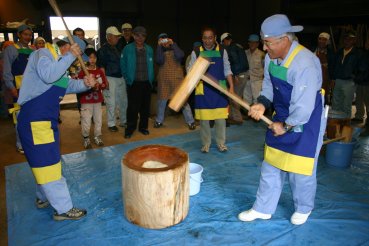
340	217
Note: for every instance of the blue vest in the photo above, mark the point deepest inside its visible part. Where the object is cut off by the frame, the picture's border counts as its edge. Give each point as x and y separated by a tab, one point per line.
210	103
293	151
39	132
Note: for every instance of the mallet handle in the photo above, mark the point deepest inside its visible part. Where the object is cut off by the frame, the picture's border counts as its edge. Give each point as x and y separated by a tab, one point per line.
56	9
232	96
333	140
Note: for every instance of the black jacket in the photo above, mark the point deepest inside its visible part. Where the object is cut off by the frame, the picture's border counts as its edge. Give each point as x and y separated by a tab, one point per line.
237	59
347	69
362	71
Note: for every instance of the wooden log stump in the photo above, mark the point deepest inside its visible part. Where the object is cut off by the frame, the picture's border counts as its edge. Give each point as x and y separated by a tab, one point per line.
155	183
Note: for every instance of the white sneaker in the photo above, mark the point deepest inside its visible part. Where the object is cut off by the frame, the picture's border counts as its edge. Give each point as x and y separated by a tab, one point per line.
299	218
251	215
98	141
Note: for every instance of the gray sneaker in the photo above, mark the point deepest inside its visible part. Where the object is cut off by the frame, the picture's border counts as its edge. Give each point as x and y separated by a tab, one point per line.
87	143
72	214
41	204
98	141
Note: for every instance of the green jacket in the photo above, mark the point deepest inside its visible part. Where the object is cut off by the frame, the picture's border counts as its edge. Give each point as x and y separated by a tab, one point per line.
128	63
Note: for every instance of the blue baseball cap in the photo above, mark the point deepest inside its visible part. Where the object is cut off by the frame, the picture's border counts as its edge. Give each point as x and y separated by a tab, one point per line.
77	40
277	25
254	38
81	43
23	27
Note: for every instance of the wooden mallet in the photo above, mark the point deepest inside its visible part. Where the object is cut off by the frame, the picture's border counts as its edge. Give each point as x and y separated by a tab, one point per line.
56	9
190	81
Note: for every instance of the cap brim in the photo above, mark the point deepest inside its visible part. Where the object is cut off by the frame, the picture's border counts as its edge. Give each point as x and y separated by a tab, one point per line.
296	28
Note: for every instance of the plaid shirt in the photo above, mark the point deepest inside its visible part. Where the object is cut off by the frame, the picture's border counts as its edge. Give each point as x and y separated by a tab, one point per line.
141	65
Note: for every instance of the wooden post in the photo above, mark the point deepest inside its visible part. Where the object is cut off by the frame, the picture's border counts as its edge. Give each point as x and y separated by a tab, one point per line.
155	183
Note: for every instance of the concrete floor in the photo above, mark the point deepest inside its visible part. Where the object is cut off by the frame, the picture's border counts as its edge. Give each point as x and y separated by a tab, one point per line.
71	141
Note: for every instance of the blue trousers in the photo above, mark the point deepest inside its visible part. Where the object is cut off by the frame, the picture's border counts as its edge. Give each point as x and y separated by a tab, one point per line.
57	193
303	187
18	143
186	111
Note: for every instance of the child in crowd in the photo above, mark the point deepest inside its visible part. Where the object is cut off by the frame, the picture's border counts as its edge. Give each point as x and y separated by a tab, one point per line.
91	101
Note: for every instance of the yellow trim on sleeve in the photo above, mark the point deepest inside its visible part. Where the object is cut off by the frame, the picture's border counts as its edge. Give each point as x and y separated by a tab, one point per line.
44	175
289	162
42	133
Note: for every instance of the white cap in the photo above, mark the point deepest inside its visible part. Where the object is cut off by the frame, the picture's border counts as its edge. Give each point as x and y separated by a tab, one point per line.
225	35
113	30
126	26
324	35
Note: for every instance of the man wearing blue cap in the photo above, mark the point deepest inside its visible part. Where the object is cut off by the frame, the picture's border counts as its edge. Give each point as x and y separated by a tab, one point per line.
255	58
44	83
292	82
15	62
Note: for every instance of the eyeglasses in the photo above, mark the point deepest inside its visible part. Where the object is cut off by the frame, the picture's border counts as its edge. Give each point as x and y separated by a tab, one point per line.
269	44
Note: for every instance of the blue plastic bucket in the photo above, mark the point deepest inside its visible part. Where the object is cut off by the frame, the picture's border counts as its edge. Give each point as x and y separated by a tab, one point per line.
339	154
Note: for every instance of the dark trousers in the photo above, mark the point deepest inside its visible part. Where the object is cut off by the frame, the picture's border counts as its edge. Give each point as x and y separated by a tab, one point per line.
139	95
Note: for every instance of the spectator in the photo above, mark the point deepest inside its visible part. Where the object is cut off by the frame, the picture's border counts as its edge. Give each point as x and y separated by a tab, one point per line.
362	90
239	67
137	66
255	58
345	64
91	101
169	57
108	58
15	62
126	38
39	43
211	104
326	57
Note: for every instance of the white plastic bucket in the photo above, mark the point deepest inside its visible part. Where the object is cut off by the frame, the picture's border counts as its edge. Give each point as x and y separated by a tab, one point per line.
195	178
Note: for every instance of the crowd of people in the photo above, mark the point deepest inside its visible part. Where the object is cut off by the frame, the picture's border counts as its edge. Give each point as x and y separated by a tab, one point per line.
283	75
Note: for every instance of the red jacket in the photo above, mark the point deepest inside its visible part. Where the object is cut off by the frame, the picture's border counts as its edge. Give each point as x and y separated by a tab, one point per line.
94	95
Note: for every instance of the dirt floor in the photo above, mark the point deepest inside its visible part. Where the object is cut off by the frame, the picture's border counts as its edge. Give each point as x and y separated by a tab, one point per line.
71	141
